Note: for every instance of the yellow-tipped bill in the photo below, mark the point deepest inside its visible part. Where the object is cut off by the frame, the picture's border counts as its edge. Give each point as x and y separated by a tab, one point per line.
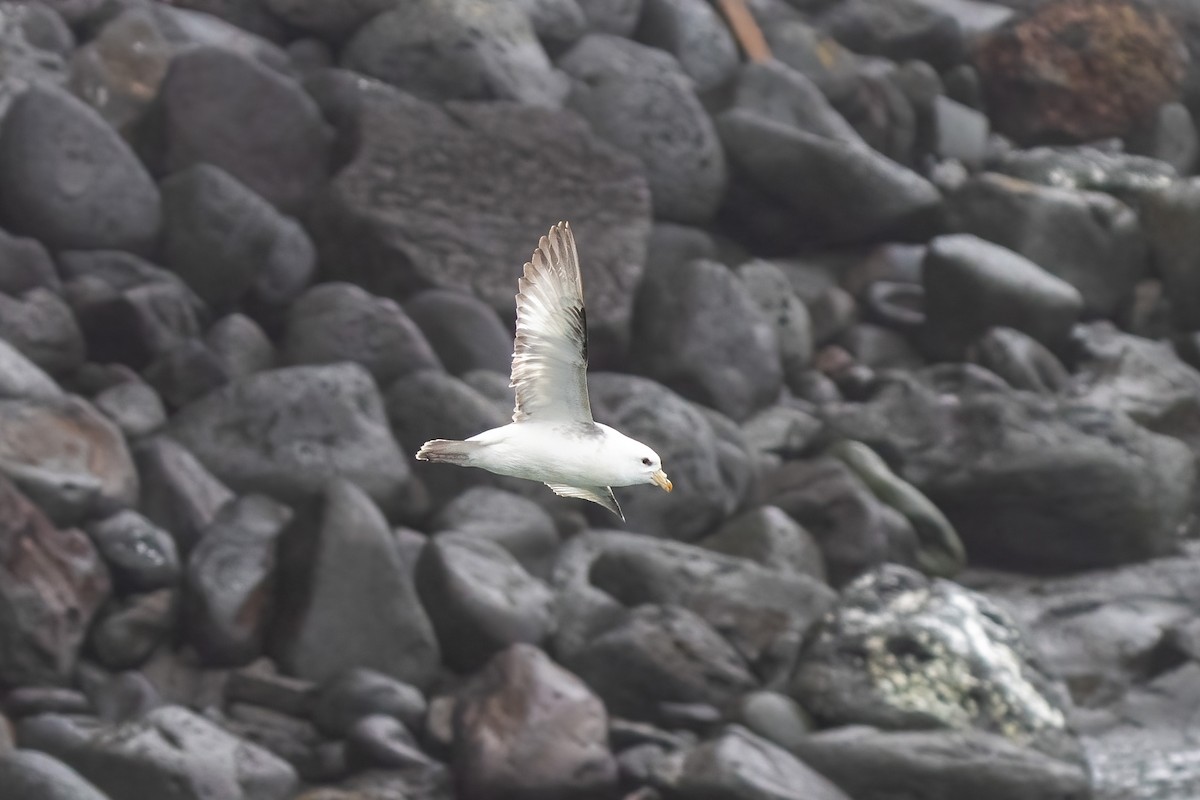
662	480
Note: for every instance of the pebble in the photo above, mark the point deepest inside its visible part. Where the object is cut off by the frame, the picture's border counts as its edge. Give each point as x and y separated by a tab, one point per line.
140	555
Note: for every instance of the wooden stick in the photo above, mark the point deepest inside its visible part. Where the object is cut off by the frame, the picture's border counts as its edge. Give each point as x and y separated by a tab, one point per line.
746	30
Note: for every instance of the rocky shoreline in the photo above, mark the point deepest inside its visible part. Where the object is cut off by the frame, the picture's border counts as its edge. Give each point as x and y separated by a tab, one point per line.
909	310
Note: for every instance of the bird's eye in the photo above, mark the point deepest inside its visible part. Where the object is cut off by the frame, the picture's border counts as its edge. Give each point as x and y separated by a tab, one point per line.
646	461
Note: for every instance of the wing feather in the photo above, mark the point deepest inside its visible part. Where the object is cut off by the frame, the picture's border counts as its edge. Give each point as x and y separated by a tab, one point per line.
600	495
549	366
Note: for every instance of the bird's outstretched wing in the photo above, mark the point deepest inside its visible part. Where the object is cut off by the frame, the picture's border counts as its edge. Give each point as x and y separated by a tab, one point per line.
549	366
600	495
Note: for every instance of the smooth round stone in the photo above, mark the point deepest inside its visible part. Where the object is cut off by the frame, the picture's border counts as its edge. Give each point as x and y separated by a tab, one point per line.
141	555
775	717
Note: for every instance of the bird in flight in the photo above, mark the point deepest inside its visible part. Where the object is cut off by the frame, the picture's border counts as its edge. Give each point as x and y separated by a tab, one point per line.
552	437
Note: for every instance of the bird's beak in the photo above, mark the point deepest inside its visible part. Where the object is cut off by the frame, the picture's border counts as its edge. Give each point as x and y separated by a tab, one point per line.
662	480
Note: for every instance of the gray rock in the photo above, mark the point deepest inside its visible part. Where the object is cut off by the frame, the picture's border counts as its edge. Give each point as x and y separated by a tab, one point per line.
856	531
937	551
235	113
870	764
230	580
525	728
891	654
358	693
657	658
494	386
694	32
294	740
888	104
762	611
381	741
832	190
960	132
741	766
711	469
1102	631
171	752
54	581
25	265
332	22
178	493
136	325
288	431
1143	378
466	333
434	405
784	431
1085	168
774	91
334	322
261	685
770	289
700	332
972	285
639	99
30	775
1029	480
129	629
768	536
558	23
1090	240
118	270
226	242
28	701
187	371
70	180
517	524
1022	361
775	717
618	17
140	555
175	677
480	599
897	30
21	378
253	17
1171	136
393	233
1175	246
457	50
134	406
338	562
240	345
67	457
41	326
26	60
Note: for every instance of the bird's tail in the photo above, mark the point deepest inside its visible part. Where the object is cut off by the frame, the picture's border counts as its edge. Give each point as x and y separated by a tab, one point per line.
448	451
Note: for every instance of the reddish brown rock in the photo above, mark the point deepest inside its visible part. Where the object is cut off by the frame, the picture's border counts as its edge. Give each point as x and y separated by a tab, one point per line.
525	728
67	457
51	584
1074	70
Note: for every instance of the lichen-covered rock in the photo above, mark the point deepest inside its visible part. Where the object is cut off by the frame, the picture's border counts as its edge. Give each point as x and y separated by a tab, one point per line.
901	651
1080	69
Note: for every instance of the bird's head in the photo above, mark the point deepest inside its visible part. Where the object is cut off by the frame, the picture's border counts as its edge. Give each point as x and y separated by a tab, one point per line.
650	468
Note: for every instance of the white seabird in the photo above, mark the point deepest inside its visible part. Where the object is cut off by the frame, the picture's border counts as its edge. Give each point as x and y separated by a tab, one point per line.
553	438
